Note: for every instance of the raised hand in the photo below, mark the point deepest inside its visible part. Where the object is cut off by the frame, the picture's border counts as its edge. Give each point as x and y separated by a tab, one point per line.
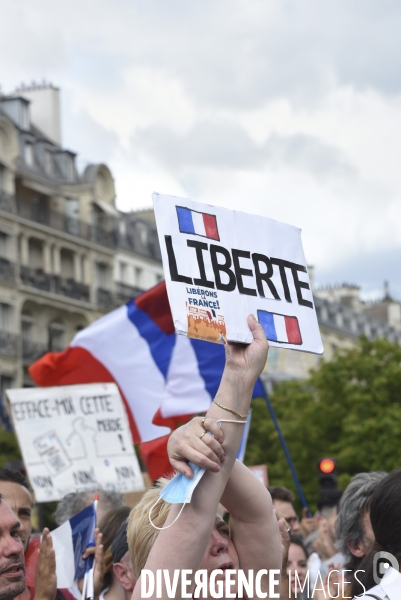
99	569
185	444
248	359
45	577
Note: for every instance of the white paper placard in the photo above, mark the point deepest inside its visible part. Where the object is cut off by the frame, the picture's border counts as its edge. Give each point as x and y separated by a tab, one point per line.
221	265
75	438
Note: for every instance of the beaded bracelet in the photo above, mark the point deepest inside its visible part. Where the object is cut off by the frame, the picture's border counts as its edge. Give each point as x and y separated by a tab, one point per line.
230	410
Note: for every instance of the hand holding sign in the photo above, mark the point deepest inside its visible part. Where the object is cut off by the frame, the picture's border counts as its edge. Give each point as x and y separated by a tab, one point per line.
221	265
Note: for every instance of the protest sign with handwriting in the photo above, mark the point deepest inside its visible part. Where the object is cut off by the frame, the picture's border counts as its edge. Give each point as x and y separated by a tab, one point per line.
75	438
221	265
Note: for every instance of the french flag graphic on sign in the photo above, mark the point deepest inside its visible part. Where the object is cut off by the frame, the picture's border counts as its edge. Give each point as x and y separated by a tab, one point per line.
280	328
197	223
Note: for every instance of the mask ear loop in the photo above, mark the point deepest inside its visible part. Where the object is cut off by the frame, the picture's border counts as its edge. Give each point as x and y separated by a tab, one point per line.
167	526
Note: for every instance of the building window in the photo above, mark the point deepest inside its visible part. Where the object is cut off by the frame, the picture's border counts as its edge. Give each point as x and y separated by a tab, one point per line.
6	382
123	272
26	328
4	239
69	168
143	233
56	337
102	275
2	178
138	276
48	162
6	311
36	254
28	154
67	263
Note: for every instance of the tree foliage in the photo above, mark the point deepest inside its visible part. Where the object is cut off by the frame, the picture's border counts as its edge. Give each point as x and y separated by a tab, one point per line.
10	451
348	409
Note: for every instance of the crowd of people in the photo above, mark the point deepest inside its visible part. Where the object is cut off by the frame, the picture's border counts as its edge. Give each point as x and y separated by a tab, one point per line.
215	520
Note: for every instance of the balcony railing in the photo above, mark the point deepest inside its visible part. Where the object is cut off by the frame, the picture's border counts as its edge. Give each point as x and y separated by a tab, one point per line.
31	351
70	288
56	220
7	270
37	278
105	298
124	292
8	343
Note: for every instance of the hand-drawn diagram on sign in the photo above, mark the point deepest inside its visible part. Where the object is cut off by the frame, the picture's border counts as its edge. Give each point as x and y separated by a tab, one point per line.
75	438
221	265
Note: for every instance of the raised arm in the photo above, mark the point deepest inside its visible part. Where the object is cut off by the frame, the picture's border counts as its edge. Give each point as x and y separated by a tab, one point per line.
253	524
190	535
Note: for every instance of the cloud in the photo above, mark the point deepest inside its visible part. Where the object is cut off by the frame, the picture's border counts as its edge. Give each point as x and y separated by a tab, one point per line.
225	144
286	109
96	143
232	53
369	271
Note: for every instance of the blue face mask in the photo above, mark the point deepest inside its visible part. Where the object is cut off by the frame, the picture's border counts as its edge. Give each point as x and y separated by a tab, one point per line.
179	491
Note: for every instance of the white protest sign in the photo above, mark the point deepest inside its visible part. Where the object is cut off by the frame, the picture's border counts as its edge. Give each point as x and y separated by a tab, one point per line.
75	438
221	265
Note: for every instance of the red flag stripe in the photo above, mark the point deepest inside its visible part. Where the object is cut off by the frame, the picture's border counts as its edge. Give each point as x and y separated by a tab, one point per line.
76	365
210	224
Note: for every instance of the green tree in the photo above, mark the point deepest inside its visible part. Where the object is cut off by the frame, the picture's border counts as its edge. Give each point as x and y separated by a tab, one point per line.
10	451
349	409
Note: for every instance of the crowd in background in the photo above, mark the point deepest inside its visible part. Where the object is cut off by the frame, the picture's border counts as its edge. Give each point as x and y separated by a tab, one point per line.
231	523
337	538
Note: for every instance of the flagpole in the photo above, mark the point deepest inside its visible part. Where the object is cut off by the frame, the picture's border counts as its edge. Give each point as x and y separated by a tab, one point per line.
286	451
84	586
96	502
88	590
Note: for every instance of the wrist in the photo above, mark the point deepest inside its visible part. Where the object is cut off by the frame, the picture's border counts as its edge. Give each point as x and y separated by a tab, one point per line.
239	379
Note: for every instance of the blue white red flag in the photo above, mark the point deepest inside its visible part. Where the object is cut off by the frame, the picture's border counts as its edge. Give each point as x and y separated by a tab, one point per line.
280	328
197	223
163	378
70	541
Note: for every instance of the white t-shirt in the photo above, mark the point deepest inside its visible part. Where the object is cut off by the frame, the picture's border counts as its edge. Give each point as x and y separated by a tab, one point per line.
388	589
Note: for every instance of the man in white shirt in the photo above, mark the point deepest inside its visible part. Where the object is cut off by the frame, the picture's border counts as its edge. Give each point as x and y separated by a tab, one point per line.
388	589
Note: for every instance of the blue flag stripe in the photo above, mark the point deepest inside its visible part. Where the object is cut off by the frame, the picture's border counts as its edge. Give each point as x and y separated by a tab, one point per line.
185	220
161	344
266	319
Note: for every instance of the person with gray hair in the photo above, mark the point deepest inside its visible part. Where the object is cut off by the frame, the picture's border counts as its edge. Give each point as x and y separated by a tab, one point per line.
354	532
73	503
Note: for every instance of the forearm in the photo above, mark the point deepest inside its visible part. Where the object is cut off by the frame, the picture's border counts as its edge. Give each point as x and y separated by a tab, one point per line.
253	523
197	518
190	535
245	497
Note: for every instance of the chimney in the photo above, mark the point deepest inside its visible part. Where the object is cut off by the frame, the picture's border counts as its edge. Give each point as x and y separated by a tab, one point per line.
386	291
44	108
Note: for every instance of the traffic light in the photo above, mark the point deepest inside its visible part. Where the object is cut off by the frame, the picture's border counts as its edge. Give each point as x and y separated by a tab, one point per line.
327	474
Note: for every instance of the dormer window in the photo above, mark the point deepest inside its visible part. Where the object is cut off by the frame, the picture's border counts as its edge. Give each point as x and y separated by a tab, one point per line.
69	168
28	154
143	233
48	161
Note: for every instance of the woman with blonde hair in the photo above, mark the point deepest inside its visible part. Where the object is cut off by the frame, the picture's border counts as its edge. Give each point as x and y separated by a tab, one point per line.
193	536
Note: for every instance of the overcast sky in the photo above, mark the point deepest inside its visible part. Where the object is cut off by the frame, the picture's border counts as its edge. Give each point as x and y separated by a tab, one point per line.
283	108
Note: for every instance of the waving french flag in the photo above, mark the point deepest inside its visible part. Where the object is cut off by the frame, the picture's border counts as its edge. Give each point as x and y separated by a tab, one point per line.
70	541
163	378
